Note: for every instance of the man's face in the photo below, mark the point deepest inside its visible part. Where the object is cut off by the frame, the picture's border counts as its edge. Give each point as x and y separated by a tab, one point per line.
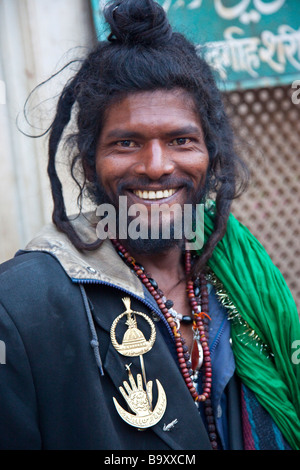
152	150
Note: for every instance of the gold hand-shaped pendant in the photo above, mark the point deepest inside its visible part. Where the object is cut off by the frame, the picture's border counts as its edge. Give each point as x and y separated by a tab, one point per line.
138	396
140	402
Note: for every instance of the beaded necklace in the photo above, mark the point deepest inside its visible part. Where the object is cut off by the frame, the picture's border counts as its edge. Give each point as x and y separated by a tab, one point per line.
200	354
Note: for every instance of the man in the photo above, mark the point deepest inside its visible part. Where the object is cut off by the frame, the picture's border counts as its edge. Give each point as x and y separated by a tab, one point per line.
125	343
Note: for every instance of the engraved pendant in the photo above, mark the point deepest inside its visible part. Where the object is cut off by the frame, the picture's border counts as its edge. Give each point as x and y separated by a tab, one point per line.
137	394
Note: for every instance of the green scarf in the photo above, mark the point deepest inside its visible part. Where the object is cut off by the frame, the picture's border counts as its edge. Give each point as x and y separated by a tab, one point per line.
266	318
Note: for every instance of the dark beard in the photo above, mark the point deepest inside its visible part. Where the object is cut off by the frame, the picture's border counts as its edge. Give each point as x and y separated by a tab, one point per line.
147	244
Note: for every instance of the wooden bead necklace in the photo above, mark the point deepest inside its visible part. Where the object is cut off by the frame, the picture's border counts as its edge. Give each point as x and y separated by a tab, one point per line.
189	364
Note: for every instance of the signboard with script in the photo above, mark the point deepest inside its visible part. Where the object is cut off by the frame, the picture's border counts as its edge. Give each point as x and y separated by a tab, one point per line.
250	43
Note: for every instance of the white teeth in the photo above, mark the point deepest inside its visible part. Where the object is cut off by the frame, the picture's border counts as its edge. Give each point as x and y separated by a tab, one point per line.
154	194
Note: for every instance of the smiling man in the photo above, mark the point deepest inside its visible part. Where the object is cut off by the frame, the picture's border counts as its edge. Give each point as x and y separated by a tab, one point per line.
125	343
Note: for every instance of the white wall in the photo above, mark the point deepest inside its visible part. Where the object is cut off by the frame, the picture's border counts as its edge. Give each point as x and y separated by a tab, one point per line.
37	37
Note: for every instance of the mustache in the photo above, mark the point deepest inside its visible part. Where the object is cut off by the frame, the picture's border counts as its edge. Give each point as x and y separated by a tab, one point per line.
166	182
194	195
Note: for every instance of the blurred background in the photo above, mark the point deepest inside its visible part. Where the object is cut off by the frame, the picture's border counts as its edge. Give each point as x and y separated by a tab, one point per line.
254	47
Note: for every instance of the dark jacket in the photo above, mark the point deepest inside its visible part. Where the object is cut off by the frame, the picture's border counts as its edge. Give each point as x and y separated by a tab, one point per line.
61	375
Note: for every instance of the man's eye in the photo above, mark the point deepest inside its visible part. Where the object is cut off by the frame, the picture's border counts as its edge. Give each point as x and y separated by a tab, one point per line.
126	143
181	141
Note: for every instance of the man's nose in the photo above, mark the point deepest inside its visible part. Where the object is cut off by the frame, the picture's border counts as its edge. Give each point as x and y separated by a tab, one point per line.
154	161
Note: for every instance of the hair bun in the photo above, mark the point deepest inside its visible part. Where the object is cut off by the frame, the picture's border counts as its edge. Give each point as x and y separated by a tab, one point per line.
142	22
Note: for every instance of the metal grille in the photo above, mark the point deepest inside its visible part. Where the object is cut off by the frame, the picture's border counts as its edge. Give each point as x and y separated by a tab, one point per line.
267	126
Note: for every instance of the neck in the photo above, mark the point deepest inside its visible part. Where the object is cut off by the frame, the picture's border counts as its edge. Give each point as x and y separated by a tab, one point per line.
166	267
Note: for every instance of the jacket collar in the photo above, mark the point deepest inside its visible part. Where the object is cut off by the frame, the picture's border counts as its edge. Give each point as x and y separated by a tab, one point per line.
103	264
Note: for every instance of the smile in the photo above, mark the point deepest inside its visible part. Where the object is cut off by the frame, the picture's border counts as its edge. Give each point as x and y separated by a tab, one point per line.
161	194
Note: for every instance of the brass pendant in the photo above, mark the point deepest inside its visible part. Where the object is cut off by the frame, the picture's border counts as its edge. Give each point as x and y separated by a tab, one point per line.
134	342
137	394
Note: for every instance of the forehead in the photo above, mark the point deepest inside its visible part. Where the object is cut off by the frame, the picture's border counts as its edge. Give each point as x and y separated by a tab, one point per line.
161	109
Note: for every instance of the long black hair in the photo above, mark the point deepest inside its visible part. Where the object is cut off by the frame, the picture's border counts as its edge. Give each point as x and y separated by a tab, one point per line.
143	53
